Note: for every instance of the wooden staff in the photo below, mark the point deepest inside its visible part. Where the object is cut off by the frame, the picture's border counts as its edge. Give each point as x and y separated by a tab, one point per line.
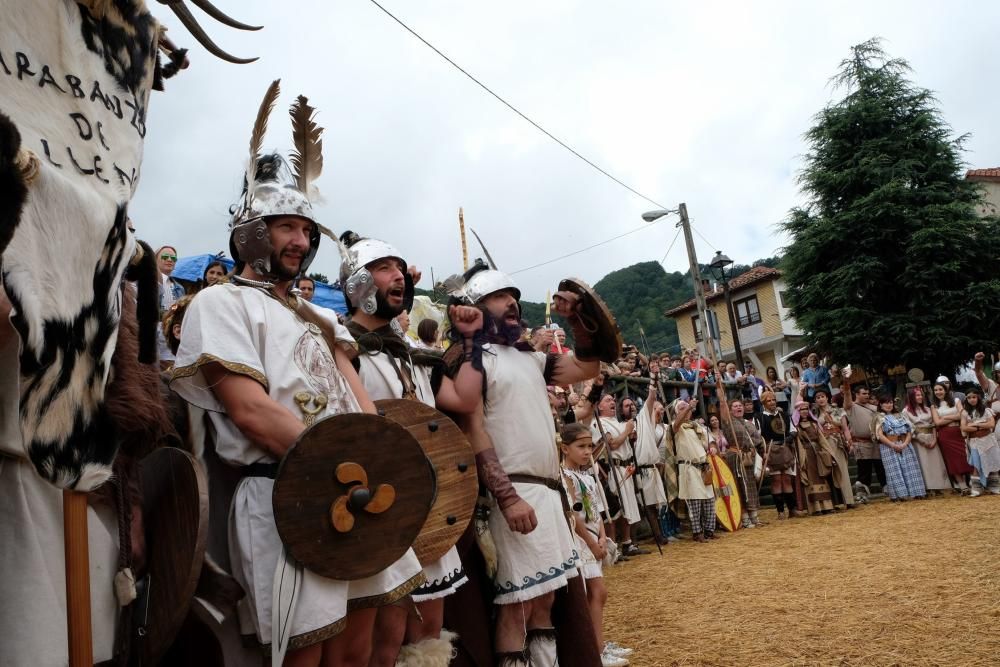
77	552
461	231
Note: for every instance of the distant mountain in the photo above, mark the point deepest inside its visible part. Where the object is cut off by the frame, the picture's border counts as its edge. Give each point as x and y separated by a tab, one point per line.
638	294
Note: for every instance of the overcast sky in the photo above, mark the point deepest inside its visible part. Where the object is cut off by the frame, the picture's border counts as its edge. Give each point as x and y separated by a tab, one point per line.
704	103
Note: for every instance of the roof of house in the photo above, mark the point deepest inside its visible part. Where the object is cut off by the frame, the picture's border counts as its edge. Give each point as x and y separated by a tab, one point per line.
757	274
991	174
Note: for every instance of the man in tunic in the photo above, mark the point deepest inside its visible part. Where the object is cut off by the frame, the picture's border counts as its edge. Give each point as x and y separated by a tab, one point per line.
861	415
649	433
514	439
265	365
691	441
616	434
379	286
745	442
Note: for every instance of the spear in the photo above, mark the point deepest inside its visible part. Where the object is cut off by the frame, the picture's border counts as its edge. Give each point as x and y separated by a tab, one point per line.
461	231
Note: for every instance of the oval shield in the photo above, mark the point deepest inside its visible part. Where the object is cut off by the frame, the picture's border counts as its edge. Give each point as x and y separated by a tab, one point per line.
454	463
175	515
600	324
351	495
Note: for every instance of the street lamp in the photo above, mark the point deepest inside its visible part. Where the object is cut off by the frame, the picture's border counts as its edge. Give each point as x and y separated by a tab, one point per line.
718	266
649	216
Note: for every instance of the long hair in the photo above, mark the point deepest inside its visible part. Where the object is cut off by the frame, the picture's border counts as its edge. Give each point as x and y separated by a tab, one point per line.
949	397
977	411
911	401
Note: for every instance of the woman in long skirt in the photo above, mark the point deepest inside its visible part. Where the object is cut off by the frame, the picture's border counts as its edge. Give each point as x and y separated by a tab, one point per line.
816	458
946	412
978	422
918	413
902	469
833	422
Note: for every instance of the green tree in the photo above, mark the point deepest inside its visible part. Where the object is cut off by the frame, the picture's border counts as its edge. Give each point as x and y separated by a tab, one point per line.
889	262
319	277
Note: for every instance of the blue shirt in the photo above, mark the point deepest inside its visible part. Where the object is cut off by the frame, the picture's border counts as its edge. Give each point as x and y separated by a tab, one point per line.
819	375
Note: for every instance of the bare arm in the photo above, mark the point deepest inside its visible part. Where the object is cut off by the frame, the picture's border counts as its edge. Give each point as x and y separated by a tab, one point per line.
848	400
464	393
260	418
569	369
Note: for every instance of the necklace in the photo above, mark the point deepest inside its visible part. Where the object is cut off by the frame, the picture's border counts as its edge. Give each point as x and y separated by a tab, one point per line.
263	284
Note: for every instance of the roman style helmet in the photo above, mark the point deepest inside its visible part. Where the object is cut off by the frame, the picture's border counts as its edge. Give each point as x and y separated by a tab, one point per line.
355	279
274	188
479	282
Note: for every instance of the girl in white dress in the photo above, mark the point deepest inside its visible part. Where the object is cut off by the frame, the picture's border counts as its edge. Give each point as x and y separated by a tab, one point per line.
978	422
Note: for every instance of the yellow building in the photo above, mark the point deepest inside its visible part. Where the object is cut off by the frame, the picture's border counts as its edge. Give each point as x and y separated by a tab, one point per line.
767	331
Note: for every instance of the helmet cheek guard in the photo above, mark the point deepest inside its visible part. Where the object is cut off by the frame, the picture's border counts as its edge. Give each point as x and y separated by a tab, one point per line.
360	290
250	243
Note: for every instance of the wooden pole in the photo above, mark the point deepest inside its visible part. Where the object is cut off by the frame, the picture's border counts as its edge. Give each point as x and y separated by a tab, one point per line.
465	248
77	551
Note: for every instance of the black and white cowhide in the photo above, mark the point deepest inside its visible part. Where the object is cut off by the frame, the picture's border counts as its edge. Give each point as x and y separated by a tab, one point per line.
74	88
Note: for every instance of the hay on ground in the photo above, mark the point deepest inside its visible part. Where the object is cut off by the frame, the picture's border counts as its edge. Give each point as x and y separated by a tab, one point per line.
915	583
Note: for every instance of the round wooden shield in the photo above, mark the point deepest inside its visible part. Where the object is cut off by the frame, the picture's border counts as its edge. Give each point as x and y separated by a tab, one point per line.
175	516
351	495
598	320
454	463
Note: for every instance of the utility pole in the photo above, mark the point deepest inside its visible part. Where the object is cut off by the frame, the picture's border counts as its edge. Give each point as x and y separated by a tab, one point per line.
699	292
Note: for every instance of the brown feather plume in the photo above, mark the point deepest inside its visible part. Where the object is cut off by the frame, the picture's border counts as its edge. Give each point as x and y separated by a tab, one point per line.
259	130
307	158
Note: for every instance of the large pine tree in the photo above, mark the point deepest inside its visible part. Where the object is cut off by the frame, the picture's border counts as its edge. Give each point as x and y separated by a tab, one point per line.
889	262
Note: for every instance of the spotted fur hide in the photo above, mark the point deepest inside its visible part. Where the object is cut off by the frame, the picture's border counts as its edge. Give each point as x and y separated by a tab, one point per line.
74	86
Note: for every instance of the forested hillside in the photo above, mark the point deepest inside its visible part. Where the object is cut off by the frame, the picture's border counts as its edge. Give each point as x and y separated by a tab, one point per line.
638	294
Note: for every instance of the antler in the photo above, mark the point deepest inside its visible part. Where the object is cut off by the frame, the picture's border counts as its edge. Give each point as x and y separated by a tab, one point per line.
181	11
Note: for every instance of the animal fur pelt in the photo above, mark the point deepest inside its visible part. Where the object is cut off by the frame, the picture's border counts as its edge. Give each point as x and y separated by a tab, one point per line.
11	182
146	277
429	652
133	401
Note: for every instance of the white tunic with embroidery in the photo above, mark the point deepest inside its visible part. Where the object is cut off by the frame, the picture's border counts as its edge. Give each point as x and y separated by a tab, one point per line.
519	423
445	575
625	488
252	333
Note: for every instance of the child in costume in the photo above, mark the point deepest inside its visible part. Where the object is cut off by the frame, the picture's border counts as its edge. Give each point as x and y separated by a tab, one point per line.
592	543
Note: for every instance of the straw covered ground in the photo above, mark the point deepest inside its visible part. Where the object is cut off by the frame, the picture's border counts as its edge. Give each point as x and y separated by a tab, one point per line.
915	583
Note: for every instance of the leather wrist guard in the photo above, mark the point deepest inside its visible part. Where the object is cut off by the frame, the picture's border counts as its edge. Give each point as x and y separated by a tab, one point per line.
495	479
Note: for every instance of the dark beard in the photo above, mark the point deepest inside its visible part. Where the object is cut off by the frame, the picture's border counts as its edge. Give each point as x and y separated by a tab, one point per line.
498	331
383	310
279	271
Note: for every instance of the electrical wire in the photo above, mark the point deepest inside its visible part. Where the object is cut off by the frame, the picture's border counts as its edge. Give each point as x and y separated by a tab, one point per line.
515	109
671	246
702	237
590	247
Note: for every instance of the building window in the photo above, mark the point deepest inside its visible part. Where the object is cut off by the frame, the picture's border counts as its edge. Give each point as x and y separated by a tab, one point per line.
781	299
747	312
697	328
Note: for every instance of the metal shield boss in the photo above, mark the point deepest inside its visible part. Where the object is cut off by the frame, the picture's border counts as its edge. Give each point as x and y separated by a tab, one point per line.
454	464
351	495
605	338
175	517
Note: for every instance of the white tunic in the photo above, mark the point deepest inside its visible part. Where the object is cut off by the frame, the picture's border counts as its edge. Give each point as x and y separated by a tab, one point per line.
625	488
250	332
445	575
647	452
690	441
583	488
519	422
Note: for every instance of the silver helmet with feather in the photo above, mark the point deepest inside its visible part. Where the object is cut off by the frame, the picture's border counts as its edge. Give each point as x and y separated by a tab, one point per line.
267	195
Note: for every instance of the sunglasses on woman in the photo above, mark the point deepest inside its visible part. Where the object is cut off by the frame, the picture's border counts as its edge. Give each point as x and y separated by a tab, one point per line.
168	258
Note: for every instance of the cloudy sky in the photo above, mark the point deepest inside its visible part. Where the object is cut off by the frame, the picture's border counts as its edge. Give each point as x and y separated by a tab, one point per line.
704	103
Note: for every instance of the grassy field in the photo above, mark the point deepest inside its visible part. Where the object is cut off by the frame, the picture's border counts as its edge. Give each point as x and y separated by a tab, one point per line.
915	583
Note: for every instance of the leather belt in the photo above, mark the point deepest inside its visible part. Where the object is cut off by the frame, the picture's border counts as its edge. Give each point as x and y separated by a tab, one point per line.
269	470
547	482
696	464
